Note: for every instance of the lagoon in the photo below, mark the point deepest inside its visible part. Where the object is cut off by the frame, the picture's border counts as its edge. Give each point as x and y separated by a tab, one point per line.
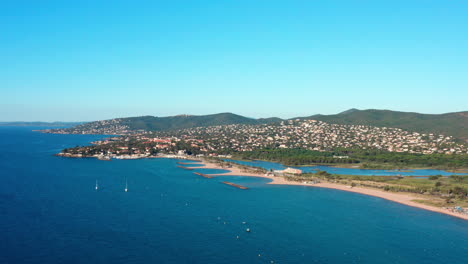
346	171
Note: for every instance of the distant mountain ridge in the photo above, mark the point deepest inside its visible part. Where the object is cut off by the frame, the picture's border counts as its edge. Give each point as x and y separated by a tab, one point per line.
39	123
348	111
153	123
450	124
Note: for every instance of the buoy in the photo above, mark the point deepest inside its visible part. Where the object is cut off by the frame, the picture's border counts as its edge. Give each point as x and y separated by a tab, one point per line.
247	230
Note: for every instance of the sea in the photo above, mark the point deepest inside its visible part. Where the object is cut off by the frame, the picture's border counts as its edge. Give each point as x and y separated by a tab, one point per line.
50	212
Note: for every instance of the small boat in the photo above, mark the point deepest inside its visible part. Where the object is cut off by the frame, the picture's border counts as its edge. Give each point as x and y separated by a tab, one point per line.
126	186
247	230
97	187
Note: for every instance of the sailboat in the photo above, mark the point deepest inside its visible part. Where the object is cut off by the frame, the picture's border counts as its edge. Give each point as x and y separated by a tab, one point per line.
97	187
126	186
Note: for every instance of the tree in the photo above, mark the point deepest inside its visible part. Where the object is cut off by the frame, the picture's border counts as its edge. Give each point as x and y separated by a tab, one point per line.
457	178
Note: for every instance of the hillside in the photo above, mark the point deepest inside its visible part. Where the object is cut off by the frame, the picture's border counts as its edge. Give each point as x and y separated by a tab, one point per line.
152	123
450	124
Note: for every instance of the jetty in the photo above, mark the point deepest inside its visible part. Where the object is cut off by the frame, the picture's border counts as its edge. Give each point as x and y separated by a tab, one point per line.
235	185
203	175
185	168
186	163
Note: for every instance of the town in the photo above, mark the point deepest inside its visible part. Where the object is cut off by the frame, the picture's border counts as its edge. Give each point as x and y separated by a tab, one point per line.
292	134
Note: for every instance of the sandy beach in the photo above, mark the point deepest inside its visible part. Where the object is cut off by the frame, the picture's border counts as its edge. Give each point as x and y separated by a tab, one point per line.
406	199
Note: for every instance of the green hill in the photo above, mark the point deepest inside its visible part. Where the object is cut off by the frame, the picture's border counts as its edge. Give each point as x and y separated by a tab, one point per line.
153	123
450	124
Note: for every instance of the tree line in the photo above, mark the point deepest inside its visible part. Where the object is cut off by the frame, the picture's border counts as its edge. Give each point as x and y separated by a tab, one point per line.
304	157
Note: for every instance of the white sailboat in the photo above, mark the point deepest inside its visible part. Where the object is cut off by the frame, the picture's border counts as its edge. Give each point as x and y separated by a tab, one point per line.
126	185
97	187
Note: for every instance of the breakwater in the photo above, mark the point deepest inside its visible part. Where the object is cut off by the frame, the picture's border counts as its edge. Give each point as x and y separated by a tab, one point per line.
235	185
185	168
203	175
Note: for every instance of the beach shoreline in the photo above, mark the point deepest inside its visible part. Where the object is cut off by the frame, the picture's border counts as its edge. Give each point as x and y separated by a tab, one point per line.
406	199
358	166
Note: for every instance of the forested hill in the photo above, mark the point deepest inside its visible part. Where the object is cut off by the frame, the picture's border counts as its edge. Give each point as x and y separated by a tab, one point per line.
450	124
153	123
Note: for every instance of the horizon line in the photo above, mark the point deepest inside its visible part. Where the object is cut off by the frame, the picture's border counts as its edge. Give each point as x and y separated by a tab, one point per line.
353	109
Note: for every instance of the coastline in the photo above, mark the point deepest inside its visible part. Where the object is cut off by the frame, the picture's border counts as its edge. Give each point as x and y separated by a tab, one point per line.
341	165
357	166
406	199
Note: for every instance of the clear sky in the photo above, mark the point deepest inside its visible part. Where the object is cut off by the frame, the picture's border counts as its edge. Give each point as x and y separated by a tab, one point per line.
90	60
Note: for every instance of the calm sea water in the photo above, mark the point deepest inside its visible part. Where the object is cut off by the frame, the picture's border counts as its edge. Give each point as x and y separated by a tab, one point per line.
346	171
51	213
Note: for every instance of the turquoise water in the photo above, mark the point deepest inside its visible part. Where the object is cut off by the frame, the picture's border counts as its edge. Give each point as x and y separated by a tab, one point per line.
346	171
51	213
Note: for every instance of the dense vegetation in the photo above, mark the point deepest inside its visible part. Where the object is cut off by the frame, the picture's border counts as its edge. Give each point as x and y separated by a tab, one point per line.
366	158
293	156
450	190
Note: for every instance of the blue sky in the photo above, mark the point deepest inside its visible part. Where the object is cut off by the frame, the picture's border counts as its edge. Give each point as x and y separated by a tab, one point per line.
90	60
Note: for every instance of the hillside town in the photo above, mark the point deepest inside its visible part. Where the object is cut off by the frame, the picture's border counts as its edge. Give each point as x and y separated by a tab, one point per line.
313	135
102	127
292	134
